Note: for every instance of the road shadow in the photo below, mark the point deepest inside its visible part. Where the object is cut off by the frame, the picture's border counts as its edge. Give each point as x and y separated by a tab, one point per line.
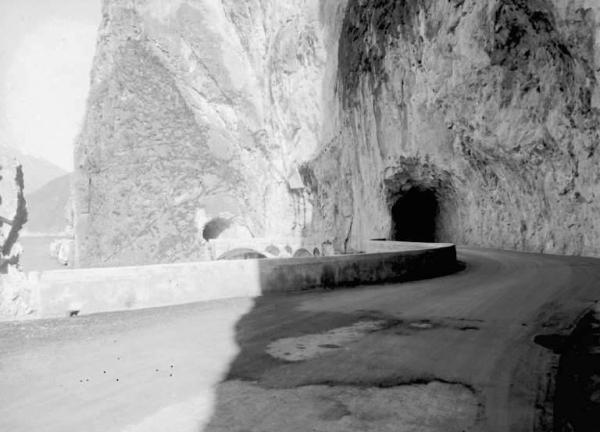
577	397
259	382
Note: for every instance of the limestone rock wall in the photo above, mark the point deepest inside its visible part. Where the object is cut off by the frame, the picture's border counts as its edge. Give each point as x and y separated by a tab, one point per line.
197	108
310	118
491	104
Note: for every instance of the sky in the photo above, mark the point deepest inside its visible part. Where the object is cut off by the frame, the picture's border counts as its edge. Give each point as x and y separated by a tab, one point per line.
46	52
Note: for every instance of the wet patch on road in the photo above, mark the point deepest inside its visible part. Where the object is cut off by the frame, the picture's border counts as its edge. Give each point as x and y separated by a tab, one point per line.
274	319
282	345
429	407
468	328
305	347
425	324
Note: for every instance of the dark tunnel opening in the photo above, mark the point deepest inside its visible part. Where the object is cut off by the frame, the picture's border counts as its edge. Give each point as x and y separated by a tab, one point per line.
215	227
414	216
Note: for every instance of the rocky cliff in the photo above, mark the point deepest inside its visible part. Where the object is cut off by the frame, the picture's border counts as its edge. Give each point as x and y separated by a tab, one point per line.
492	105
457	120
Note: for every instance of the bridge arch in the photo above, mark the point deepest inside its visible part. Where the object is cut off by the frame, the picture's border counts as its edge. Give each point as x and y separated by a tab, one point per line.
241	253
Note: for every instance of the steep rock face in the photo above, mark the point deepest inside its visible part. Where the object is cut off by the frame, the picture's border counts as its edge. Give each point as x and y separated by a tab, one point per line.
318	118
197	108
492	105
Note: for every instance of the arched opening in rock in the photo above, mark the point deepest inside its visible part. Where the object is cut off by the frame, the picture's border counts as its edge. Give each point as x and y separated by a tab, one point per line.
414	216
241	253
215	227
273	250
302	253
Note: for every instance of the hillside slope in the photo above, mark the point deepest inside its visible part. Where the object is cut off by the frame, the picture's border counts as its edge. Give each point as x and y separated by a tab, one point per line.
37	171
47	207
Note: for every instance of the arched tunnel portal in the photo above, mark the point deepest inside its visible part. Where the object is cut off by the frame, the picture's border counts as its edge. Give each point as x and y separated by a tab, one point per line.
415	216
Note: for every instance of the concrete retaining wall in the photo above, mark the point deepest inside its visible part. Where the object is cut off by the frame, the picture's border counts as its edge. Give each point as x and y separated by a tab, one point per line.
121	288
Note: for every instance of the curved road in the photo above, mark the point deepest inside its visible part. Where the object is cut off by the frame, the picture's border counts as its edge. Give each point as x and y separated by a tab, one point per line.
467	337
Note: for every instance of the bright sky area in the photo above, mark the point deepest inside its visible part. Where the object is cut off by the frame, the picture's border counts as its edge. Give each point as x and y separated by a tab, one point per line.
46	52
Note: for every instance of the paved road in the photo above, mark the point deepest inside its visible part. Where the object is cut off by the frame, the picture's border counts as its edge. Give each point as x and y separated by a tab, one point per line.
459	347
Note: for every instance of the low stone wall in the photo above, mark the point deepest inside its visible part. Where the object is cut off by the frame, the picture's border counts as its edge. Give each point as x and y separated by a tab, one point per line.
84	291
380	264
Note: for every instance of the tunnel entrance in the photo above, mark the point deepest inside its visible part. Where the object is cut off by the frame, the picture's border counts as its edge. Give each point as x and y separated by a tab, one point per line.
215	227
414	216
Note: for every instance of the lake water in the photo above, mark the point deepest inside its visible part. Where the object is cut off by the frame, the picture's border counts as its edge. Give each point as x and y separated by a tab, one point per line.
36	254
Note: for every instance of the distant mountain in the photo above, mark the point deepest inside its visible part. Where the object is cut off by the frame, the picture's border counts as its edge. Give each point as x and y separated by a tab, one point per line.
37	171
48	207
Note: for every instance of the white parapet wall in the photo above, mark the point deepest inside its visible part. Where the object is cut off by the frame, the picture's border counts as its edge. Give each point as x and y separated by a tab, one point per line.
120	288
83	291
